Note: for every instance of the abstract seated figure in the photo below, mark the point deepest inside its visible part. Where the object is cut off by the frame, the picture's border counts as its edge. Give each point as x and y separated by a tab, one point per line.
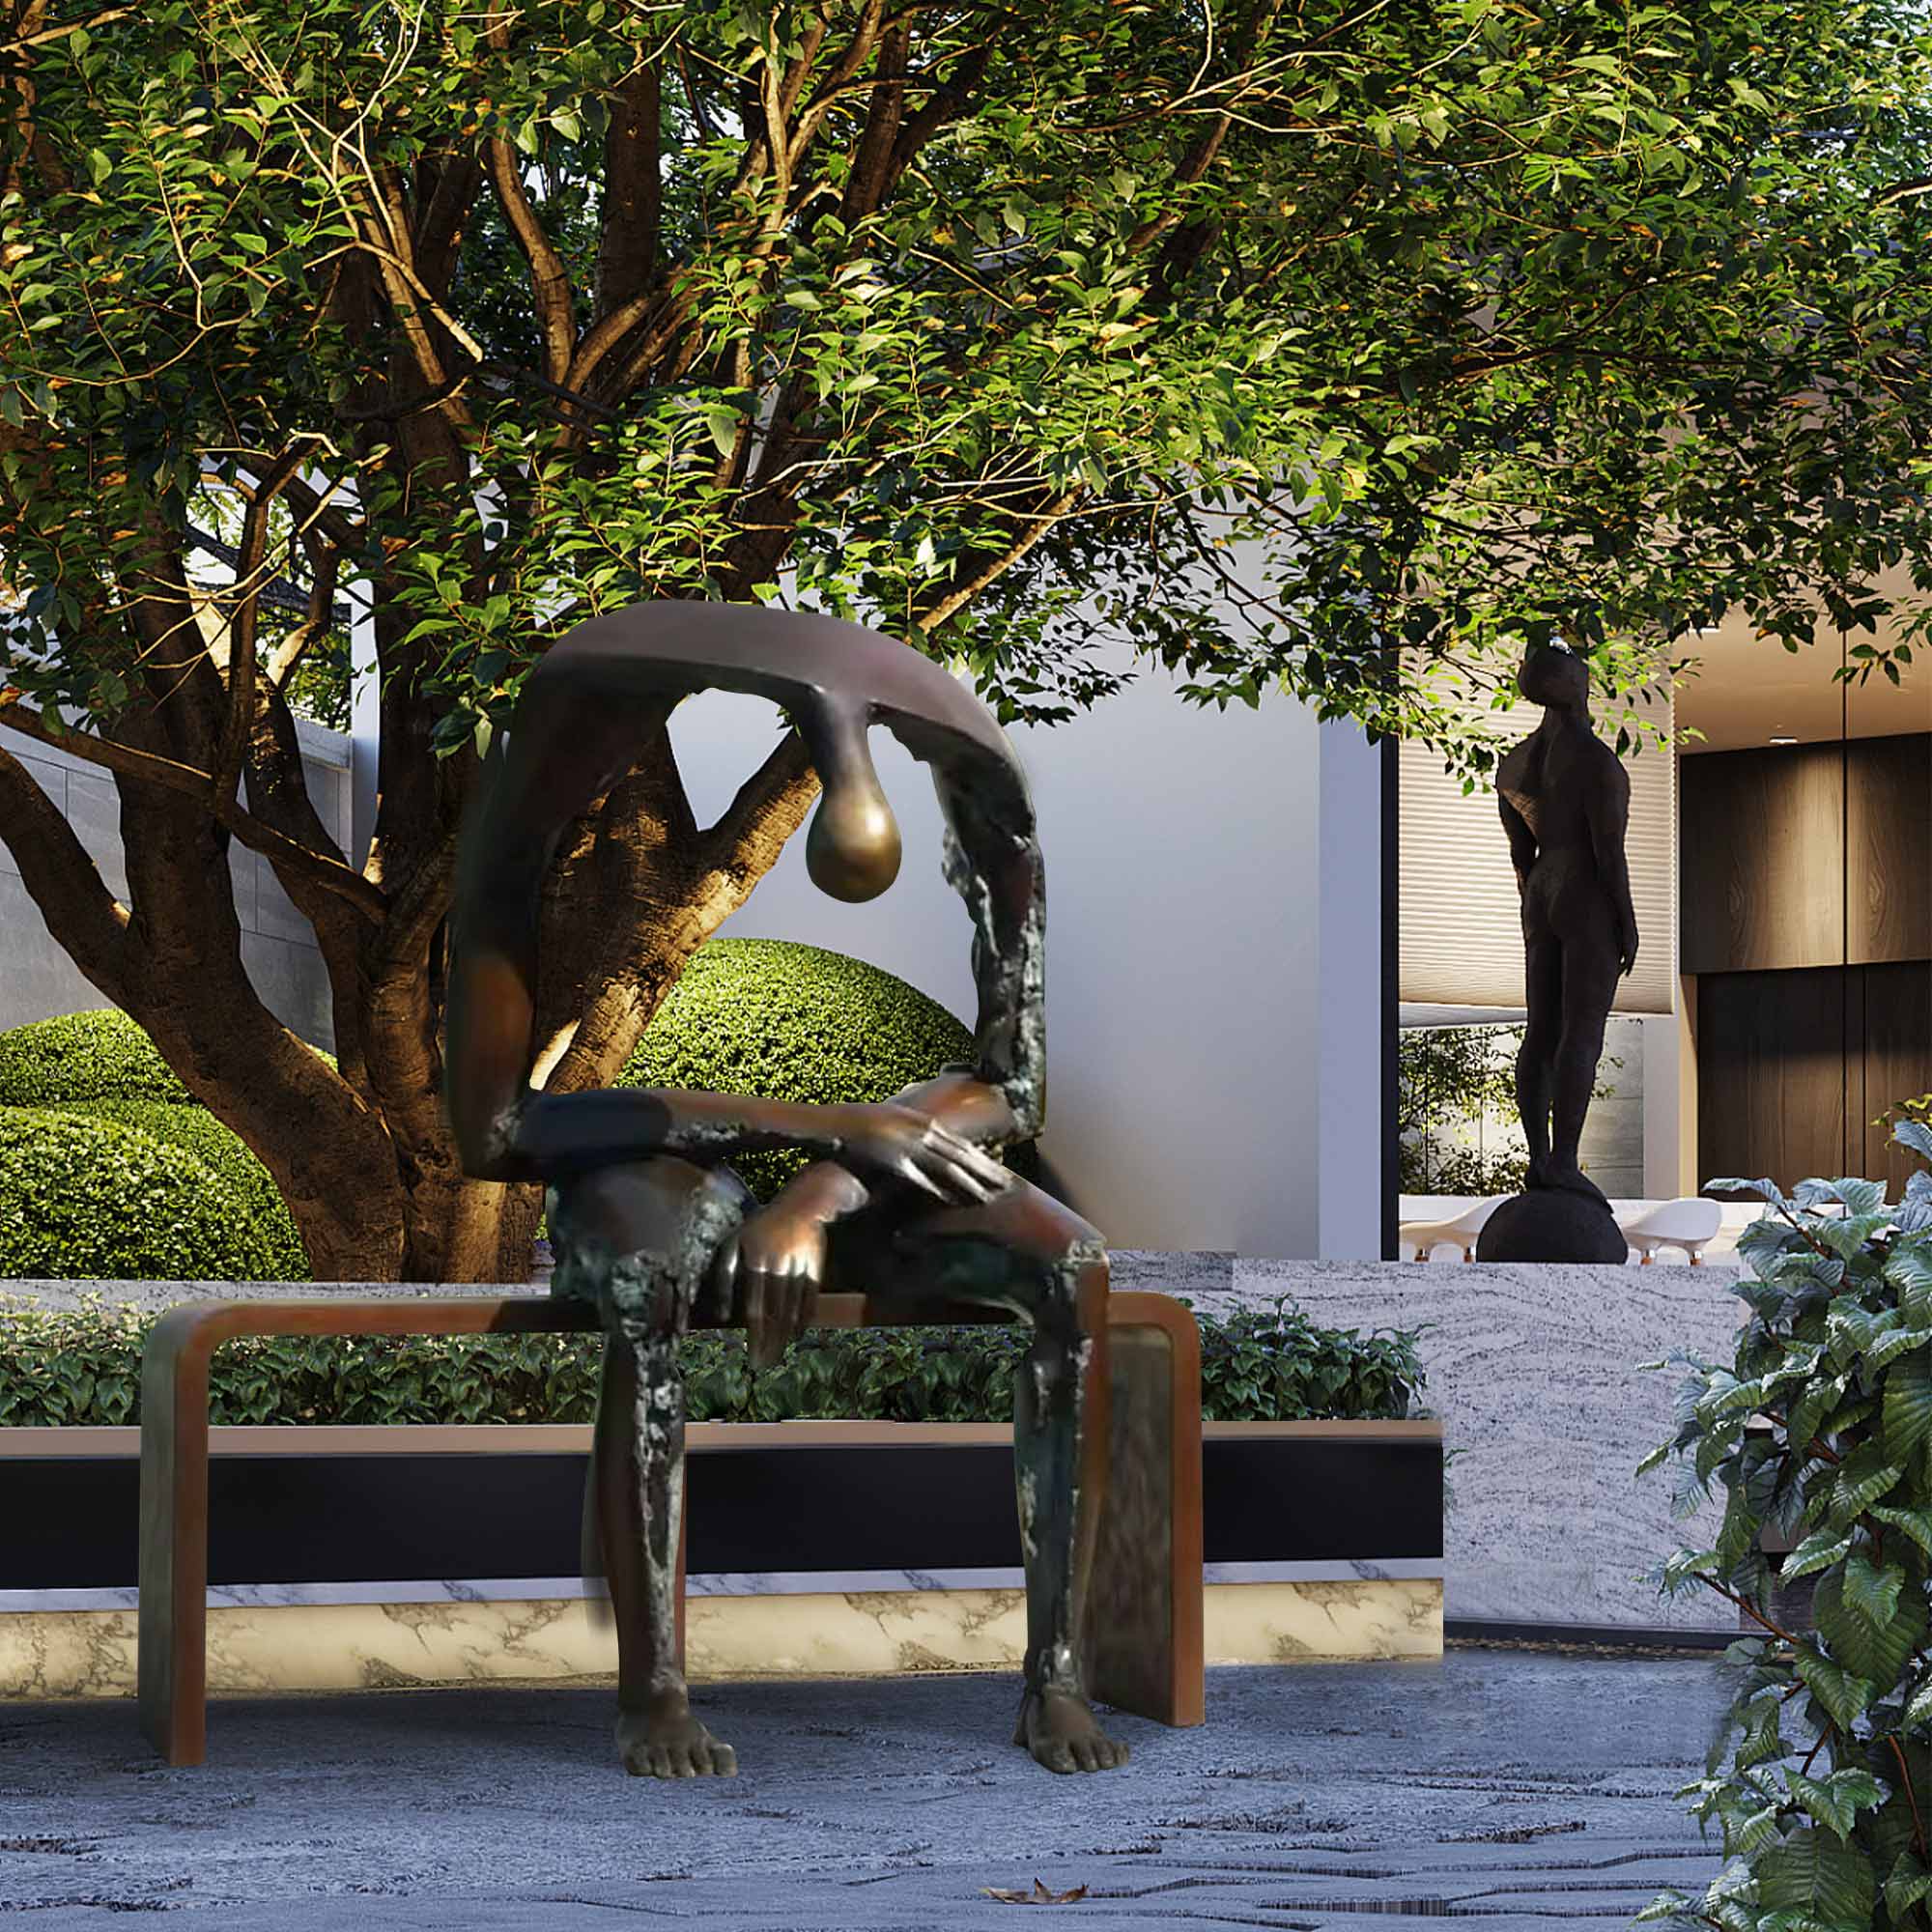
1564	797
902	1201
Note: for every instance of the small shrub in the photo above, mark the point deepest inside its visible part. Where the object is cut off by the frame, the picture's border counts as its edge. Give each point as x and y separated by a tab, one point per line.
269	1233
1821	1429
64	1368
90	1199
92	1056
791	1023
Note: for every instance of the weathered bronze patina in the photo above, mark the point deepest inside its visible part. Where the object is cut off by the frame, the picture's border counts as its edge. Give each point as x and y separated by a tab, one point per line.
903	1202
1565	801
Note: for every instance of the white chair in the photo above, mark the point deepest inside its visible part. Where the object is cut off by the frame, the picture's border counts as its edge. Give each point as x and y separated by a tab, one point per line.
1461	1232
1687	1224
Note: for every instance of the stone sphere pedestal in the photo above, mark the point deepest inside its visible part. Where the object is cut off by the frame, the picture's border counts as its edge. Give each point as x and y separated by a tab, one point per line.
1552	1224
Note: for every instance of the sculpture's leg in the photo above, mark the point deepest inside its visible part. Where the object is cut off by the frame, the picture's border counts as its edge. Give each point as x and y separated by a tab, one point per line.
1589	985
642	1237
1026	1252
1060	1435
1535	1060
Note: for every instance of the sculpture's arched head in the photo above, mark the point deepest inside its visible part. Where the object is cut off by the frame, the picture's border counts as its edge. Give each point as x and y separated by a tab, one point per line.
1554	674
852	850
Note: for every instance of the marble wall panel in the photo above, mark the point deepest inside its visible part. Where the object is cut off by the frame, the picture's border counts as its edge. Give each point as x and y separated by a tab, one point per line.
262	1645
1546	1416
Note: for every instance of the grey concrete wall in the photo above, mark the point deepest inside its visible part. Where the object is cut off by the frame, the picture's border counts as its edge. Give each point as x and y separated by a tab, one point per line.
39	980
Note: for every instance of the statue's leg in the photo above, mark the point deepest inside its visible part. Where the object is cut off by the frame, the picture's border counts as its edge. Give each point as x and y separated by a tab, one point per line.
1589	986
1059	1434
642	1237
1536	1057
1028	1253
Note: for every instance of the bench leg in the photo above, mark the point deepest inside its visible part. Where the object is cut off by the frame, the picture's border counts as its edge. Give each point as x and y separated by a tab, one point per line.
172	1641
684	1503
1145	1641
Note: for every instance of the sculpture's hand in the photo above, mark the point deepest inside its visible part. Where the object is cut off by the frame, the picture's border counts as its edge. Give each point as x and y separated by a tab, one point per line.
896	1144
1626	944
965	1106
770	1272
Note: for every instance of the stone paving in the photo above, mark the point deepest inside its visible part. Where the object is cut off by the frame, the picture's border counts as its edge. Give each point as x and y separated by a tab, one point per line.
1520	1787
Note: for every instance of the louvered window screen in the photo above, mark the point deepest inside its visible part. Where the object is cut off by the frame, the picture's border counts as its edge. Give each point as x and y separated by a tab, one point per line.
1461	938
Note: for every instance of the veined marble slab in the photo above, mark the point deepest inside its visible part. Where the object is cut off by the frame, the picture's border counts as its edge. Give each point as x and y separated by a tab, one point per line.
317	1646
1546	1415
773	1583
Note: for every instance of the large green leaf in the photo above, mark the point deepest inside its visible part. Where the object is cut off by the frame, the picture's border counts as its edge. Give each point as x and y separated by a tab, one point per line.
1908	1404
1863	1476
1907	1884
1843	1693
1827	1883
1835	1800
1818	1551
1874	1653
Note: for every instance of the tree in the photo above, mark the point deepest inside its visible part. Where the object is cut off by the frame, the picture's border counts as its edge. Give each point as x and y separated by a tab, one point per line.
1003	327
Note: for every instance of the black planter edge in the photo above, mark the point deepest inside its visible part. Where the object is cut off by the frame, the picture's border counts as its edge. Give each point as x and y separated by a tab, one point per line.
1598	1636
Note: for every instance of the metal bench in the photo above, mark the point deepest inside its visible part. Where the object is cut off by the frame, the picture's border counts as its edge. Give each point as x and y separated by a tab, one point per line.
1143	1603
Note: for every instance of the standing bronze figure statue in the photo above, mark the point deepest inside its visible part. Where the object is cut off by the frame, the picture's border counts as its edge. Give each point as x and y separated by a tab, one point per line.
902	1202
1564	797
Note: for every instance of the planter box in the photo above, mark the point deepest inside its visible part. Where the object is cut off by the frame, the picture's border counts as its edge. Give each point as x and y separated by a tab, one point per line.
1321	1539
326	1505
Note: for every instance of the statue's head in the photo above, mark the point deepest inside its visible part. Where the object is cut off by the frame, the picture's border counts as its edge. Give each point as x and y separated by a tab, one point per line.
834	680
1554	674
852	849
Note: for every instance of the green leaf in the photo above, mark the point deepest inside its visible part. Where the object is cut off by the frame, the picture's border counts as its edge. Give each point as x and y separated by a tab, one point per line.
1863	1476
1914	1524
1873	1653
1817	1552
1908	1404
1843	1696
1824	1881
1908	1884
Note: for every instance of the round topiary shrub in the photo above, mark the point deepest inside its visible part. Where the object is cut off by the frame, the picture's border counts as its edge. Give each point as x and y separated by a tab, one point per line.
792	1022
93	1056
273	1238
90	1199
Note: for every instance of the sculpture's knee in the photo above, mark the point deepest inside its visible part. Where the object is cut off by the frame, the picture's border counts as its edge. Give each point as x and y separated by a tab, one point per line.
638	1238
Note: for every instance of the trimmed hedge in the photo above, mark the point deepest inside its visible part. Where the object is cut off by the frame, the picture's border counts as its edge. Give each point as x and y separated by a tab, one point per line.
93	1056
83	1198
267	1231
792	1022
66	1367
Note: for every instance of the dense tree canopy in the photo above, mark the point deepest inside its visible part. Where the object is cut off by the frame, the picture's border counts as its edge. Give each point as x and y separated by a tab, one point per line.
1333	347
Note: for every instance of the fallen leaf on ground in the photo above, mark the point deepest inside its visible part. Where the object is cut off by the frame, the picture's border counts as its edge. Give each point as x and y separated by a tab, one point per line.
1039	1896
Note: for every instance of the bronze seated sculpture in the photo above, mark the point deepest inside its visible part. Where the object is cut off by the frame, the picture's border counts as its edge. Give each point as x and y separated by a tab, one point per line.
902	1201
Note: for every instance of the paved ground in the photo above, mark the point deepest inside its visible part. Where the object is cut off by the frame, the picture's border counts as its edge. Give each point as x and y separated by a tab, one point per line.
1522	1788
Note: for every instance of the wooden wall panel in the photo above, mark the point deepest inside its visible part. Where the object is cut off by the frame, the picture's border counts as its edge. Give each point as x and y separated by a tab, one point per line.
1897	1058
1761	859
1771	1074
1805	855
1888	848
1793	1067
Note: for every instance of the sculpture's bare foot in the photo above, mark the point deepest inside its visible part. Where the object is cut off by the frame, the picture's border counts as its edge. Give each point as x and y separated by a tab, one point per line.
1063	1734
668	1741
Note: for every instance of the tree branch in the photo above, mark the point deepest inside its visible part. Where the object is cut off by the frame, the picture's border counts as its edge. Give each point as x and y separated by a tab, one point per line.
627	242
550	279
85	919
150	768
243	616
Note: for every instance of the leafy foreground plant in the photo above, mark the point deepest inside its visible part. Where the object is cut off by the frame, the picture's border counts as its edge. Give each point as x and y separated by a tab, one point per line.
1822	1430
